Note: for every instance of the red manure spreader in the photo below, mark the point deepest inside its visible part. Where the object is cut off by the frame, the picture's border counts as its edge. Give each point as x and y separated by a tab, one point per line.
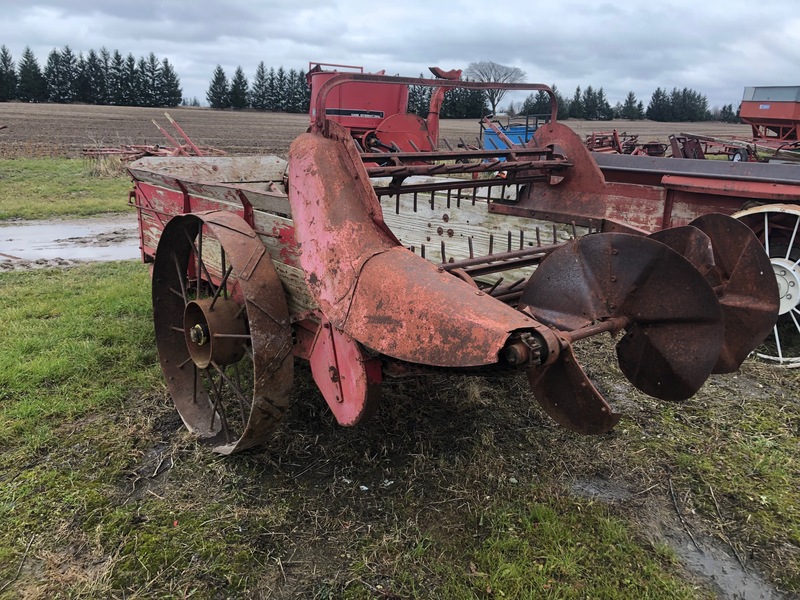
375	252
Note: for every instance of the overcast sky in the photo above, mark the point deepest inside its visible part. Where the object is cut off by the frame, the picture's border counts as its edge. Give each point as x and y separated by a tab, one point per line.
715	47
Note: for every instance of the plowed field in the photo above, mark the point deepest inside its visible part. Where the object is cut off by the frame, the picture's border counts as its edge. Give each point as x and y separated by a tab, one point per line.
64	130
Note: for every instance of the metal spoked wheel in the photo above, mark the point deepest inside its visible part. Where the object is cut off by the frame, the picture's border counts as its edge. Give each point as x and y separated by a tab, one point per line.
222	329
778	229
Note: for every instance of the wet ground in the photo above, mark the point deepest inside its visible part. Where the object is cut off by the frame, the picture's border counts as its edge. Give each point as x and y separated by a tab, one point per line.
31	244
704	556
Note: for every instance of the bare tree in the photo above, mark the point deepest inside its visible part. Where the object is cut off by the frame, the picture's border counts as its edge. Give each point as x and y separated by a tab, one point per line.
489	71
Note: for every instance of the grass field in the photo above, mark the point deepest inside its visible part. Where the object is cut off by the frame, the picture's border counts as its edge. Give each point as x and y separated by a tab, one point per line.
45	188
460	487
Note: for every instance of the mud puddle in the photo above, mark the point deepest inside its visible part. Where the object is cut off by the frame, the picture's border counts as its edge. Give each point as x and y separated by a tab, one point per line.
27	244
703	556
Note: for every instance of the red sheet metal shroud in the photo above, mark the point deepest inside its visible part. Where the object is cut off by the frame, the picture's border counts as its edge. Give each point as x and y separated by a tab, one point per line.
371	287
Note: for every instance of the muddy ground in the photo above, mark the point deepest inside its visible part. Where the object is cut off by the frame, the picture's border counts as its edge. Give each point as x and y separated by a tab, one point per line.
58	243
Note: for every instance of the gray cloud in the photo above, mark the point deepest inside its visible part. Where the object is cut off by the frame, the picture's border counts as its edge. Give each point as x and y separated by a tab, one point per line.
715	48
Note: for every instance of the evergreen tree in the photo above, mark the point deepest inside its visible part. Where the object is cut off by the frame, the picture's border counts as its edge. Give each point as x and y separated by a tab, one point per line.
131	82
8	76
280	89
259	90
305	91
604	110
576	105
677	107
296	93
218	94
419	99
145	94
95	78
536	104
169	85
150	80
640	111
83	89
238	91
453	105
53	77
273	93
116	80
563	104
589	103
629	109
31	85
726	115
477	104
659	109
104	95
69	74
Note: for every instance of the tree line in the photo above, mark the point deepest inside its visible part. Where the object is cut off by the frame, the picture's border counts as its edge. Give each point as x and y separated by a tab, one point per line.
592	104
458	103
275	90
109	78
98	78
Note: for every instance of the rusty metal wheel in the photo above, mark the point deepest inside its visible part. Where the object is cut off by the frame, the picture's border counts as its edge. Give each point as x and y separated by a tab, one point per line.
222	329
777	228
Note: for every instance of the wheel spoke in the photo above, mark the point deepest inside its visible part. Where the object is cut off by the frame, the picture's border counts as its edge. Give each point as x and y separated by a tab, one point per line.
794	236
236	336
217	405
766	233
201	266
242	400
792	314
180	278
199	258
778	343
223	284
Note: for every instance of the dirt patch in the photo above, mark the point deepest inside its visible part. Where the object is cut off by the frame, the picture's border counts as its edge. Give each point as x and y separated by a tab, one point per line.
715	562
65	130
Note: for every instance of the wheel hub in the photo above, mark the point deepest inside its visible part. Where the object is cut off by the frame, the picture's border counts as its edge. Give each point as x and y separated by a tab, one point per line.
787	273
214	334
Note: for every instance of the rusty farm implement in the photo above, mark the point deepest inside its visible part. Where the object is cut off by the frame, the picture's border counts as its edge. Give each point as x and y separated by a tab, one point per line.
372	253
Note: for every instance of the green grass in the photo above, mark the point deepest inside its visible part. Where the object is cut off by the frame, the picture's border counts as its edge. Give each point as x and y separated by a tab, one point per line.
115	498
73	341
533	542
44	188
459	488
733	454
741	463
